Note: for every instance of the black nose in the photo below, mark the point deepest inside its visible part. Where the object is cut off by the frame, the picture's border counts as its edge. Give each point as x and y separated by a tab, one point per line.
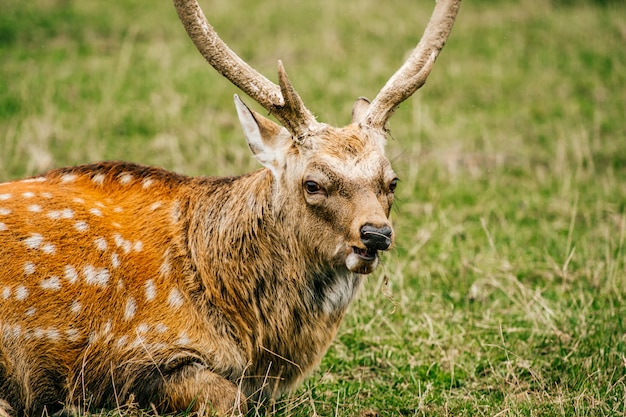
378	238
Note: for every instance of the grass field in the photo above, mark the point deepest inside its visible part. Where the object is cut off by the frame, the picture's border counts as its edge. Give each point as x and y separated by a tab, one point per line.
506	291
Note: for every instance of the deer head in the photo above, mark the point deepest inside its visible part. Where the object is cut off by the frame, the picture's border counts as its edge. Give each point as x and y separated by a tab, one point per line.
341	174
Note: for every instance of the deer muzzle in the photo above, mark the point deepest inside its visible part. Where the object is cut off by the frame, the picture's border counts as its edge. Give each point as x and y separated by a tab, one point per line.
376	238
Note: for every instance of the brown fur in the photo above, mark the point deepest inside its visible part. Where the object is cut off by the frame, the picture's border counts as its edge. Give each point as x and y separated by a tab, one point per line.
120	282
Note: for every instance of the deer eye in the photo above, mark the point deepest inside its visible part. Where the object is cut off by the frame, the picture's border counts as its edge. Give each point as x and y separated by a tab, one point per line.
393	184
312	187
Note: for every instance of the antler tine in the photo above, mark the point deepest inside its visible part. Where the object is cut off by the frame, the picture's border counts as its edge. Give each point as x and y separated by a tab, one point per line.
413	73
297	118
282	101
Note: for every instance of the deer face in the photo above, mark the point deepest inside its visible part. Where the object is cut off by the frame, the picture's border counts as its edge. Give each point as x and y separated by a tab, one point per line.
338	181
347	186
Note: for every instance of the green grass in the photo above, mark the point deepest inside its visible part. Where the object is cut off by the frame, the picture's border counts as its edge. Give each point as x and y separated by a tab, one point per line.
506	291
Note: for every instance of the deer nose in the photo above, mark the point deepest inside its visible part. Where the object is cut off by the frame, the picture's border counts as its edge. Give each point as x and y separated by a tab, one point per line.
378	238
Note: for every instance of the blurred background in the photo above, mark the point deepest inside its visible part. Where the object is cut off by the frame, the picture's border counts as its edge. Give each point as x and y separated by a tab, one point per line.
505	292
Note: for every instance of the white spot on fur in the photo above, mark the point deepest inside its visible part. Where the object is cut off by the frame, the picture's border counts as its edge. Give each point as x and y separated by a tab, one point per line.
53	283
183	339
118	239
70	274
30	312
16	331
81	226
3	227
53	334
21	293
139	341
34	241
161	328
175	298
78	200
115	260
101	243
4	211
4	197
143	328
126	246
155	206
138	246
95	212
175	211
34	208
96	276
150	290
165	267
120	242
117	210
121	342
6	293
68	178
130	309
72	334
98	179
28	194
125	178
49	248
61	214
76	307
46	195
29	268
147	182
38	179
106	330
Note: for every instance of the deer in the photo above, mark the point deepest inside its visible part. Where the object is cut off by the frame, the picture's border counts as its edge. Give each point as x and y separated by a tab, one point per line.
123	283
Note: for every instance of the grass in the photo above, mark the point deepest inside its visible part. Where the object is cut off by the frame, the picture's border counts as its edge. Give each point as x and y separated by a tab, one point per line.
505	294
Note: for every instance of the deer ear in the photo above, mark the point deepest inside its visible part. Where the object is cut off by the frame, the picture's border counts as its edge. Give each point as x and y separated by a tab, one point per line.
266	139
359	113
358	110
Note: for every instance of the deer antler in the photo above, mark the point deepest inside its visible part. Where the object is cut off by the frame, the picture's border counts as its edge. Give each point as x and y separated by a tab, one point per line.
284	102
280	100
413	73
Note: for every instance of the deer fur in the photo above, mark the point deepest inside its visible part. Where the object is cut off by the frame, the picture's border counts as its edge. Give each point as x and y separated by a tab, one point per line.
121	281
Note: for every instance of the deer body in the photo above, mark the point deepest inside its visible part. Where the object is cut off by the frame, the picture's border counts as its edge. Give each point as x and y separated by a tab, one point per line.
132	279
124	283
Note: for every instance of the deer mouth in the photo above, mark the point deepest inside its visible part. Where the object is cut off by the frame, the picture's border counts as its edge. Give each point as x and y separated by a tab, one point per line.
362	260
365	253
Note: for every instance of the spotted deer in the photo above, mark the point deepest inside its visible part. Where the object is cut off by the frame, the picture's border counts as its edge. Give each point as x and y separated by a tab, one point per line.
127	283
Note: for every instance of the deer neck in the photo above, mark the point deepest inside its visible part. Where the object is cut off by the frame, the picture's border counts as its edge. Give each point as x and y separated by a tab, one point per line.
248	237
256	274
